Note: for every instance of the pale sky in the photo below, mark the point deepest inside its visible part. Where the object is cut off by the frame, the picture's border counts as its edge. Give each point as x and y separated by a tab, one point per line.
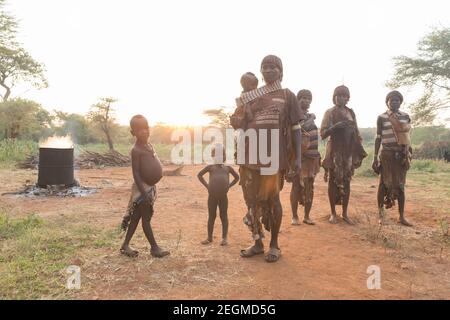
170	60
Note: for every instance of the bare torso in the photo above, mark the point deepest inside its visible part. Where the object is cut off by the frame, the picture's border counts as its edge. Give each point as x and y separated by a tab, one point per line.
219	180
150	168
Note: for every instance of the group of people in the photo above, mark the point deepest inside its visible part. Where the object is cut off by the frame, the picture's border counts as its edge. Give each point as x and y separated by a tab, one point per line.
270	107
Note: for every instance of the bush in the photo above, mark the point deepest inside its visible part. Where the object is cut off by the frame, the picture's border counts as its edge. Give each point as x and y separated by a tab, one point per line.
422	135
433	150
12	150
429	166
24	119
368	173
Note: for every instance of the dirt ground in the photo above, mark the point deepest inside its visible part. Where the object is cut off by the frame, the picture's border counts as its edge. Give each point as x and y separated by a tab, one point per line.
318	262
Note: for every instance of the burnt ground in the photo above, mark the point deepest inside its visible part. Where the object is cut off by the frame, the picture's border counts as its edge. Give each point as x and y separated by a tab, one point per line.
318	262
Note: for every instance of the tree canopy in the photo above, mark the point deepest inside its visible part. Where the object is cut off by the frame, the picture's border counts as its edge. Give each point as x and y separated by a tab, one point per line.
8	26
102	114
16	64
219	117
25	119
431	68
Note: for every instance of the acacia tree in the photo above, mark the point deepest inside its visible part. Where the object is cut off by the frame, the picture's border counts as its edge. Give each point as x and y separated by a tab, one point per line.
16	64
431	68
102	114
8	26
219	117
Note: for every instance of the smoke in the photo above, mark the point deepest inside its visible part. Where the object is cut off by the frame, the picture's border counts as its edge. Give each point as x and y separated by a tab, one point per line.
57	143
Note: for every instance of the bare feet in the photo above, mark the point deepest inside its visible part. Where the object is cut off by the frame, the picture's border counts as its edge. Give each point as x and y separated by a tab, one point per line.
207	241
127	251
295	221
159	252
348	220
333	219
309	221
405	222
224	242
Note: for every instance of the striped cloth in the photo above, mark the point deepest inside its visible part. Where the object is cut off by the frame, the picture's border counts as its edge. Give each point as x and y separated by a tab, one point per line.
249	96
310	127
388	137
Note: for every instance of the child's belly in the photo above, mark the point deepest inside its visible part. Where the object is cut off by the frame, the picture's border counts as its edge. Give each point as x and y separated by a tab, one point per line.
218	185
151	169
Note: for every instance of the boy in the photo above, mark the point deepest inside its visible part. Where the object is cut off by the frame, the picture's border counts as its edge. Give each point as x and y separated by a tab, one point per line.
218	187
147	171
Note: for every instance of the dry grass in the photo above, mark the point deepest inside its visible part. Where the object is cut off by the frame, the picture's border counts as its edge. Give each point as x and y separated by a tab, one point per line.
190	267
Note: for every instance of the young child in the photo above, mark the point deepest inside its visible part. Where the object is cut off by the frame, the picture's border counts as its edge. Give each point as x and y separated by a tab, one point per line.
218	187
249	82
242	114
147	171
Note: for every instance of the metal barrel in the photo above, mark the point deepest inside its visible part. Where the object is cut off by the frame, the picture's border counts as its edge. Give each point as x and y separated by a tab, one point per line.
55	166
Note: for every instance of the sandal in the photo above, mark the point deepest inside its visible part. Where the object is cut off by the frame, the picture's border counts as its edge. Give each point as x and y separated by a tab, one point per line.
273	255
250	252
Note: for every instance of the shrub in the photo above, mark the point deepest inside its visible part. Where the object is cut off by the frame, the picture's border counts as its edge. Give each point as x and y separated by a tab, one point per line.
429	166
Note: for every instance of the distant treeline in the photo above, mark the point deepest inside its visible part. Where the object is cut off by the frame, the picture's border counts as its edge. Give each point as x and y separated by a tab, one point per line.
427	142
27	120
419	135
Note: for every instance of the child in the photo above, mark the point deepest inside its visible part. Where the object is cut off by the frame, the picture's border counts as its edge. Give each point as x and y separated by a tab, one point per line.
249	82
147	171
242	114
218	187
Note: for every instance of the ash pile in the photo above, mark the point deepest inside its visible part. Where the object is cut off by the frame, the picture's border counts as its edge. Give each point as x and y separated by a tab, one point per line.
55	171
75	190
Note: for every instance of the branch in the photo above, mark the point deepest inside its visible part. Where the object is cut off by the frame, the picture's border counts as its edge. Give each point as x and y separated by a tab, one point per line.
439	85
7	93
107	112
